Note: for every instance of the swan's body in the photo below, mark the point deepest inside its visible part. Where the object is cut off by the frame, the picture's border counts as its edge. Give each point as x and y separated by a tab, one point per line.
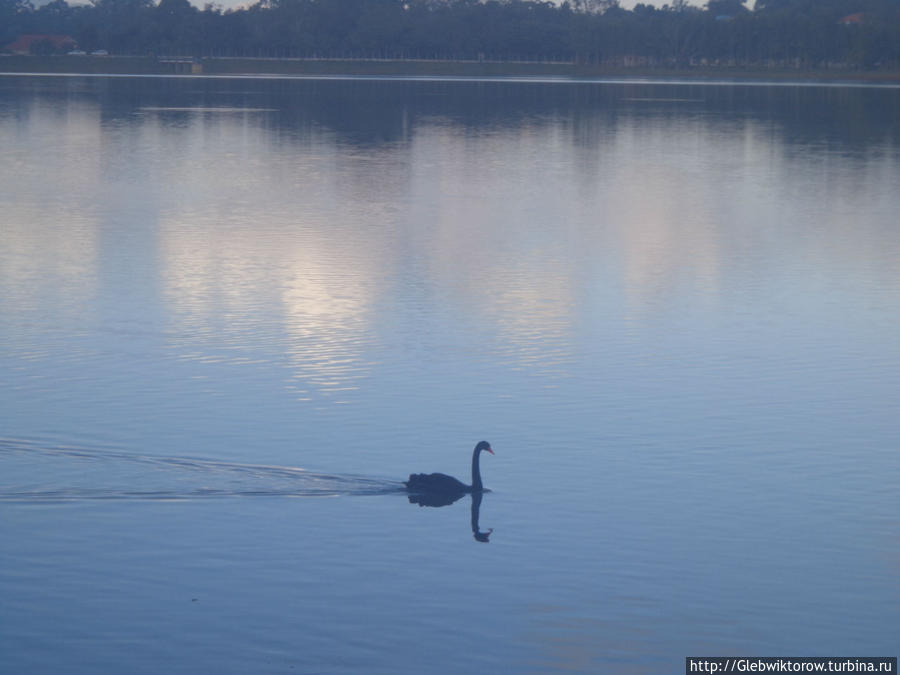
436	482
444	485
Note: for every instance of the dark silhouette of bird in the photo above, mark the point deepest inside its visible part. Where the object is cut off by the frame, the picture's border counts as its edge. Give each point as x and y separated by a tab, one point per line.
439	489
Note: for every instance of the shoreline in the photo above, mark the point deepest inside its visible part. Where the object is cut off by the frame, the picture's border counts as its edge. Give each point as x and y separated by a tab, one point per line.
238	66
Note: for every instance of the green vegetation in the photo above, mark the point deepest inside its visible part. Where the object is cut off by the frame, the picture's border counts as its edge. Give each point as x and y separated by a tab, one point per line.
820	34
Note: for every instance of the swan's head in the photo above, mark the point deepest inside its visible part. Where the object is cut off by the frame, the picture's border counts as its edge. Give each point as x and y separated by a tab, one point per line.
484	445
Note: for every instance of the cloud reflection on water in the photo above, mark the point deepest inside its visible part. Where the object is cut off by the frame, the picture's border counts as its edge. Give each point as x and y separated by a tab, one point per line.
286	239
49	191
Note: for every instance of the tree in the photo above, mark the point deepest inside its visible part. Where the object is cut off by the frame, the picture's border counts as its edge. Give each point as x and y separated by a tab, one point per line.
771	5
795	32
594	6
13	15
726	7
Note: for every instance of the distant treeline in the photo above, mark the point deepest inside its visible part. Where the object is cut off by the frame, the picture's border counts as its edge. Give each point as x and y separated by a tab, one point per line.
774	33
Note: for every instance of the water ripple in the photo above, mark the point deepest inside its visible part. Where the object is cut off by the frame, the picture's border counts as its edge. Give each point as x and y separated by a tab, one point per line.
74	473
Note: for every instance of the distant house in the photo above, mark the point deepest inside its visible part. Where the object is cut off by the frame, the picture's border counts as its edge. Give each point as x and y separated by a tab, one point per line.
852	19
27	44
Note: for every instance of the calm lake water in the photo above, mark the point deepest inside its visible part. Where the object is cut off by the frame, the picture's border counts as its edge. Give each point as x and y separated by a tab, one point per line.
235	313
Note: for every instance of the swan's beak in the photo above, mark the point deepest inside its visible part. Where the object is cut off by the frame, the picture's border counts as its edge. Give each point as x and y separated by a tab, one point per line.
489	450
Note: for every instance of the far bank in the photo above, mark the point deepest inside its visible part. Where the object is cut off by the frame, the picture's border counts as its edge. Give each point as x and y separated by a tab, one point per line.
152	65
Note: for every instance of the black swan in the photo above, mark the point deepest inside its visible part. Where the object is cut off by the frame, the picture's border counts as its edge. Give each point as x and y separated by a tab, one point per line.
442	485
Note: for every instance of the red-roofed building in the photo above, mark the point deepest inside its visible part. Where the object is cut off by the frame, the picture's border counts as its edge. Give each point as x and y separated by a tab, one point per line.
852	19
25	44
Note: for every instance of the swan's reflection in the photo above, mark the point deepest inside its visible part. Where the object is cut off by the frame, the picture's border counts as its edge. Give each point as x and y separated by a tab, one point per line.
435	498
476	509
447	499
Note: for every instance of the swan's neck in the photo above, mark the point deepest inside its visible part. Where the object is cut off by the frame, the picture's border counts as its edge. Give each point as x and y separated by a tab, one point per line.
476	473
